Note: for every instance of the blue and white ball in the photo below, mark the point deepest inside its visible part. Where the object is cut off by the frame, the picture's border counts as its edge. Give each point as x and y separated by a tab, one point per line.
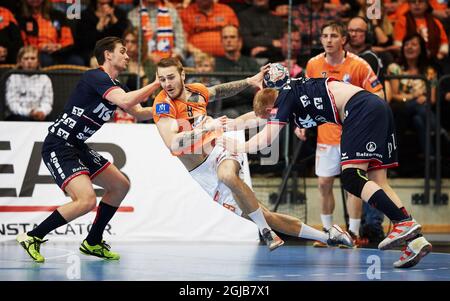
277	77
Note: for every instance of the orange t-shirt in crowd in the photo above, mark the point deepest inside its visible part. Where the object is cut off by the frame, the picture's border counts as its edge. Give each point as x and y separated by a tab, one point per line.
422	29
187	113
47	33
6	17
203	30
353	70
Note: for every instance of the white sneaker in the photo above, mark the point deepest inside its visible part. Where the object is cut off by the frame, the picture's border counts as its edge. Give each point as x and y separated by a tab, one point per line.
413	252
338	237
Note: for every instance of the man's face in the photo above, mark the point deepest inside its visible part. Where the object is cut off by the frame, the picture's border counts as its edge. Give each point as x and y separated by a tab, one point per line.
230	39
171	81
357	30
119	57
332	40
296	44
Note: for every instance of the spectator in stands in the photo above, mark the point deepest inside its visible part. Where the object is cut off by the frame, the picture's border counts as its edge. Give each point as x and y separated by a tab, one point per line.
29	97
261	31
310	17
101	19
47	29
412	92
361	37
204	63
10	39
380	29
295	70
202	21
419	19
162	29
233	60
147	69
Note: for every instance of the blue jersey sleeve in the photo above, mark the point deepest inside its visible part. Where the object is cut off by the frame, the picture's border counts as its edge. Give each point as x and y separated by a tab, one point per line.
100	82
282	109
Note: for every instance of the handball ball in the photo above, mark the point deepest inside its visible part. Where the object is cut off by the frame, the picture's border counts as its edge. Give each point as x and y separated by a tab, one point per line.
277	76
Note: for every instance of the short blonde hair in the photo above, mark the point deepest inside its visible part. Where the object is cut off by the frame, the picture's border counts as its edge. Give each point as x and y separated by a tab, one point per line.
202	56
24	50
264	99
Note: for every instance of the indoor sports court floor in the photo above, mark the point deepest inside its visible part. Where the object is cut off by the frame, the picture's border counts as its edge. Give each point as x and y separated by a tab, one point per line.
201	261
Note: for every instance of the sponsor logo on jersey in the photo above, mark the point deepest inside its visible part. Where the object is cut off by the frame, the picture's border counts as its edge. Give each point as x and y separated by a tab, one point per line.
162	108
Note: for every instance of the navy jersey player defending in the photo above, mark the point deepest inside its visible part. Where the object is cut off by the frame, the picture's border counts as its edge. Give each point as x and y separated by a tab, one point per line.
73	165
368	146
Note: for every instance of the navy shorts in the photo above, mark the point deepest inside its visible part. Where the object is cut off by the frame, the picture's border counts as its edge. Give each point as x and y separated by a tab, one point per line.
368	132
66	161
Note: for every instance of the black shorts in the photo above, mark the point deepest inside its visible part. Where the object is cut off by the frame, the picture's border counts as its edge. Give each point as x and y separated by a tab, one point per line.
66	161
368	132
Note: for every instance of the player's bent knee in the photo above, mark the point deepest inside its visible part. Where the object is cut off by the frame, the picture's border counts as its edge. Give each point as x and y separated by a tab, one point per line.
353	180
88	204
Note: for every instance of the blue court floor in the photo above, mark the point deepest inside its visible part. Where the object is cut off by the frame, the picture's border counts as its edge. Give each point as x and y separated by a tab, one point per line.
188	261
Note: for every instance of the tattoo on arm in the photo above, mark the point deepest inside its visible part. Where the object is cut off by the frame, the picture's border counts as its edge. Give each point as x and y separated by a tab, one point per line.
189	138
227	89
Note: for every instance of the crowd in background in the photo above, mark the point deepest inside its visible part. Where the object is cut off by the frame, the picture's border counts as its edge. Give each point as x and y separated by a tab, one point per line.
396	37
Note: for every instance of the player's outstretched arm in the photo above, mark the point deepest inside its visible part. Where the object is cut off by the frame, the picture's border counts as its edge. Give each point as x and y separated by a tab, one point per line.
127	100
260	141
140	112
226	90
246	121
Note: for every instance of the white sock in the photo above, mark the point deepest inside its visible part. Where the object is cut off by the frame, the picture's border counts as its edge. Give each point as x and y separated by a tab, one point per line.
354	225
327	220
311	233
258	217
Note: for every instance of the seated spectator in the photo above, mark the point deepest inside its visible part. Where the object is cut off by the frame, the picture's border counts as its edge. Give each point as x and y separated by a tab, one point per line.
233	60
412	92
10	39
310	17
162	29
204	63
419	19
146	71
202	21
295	44
47	29
261	31
29	97
101	19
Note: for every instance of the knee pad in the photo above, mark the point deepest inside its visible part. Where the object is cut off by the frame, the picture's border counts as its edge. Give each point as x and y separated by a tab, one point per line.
353	180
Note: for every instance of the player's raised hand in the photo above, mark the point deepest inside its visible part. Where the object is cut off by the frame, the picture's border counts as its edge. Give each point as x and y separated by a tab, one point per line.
257	79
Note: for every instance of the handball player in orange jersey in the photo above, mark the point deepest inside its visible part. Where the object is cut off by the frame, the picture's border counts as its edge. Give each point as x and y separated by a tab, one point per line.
180	114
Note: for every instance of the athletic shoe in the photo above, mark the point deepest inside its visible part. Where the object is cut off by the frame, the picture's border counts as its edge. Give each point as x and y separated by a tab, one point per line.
32	245
339	238
101	250
401	232
271	239
413	252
